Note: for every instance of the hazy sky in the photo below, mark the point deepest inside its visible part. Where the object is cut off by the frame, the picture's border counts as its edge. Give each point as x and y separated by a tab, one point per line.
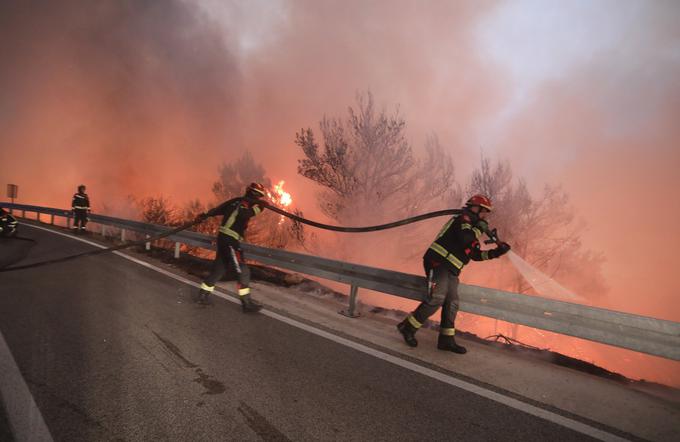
148	98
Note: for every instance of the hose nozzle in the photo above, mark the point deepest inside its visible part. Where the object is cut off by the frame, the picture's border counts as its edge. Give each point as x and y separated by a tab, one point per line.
493	236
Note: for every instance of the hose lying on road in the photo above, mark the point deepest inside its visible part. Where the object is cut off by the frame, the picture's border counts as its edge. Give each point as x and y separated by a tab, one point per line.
19	238
99	251
273	208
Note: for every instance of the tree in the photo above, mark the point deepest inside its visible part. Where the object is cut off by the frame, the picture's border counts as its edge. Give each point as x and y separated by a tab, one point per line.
189	213
438	175
366	162
433	188
157	210
236	176
208	227
370	175
543	230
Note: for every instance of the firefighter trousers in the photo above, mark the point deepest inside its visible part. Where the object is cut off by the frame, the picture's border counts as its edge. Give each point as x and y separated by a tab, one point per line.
229	254
79	218
442	292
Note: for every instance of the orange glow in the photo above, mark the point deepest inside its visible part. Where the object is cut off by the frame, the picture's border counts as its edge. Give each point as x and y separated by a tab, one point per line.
280	197
284	197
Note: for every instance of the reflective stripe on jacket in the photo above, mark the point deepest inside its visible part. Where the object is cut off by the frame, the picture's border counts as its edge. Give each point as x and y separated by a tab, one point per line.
457	243
236	217
80	201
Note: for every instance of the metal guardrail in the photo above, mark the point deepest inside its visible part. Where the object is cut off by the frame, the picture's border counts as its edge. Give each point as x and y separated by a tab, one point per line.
639	333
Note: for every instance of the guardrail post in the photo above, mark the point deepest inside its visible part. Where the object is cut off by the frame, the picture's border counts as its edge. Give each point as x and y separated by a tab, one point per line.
351	311
23	214
122	235
37	216
68	222
148	244
177	250
52	219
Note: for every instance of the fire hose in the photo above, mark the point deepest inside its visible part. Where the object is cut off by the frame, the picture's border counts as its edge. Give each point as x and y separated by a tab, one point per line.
491	233
98	251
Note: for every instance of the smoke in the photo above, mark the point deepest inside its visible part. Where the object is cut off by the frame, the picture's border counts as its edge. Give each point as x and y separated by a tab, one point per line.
120	95
605	127
141	97
595	108
320	54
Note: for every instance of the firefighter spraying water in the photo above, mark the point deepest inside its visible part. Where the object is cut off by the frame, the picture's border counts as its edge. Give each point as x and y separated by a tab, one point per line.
457	243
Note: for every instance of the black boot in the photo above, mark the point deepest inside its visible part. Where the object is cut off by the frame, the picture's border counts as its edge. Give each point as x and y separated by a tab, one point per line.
249	305
204	298
448	343
408	331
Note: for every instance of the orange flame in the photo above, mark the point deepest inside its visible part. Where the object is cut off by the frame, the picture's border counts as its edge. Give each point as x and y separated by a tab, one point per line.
282	197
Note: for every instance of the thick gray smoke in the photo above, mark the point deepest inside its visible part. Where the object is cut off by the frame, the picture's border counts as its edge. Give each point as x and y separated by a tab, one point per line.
121	95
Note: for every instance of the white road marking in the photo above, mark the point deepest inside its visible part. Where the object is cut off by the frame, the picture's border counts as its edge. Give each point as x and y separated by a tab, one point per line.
23	414
447	379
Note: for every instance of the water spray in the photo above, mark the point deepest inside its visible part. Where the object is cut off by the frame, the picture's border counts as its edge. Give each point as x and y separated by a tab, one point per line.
541	283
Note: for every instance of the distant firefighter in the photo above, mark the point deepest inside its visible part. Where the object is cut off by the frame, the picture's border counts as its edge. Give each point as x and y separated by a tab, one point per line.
81	209
8	224
456	244
235	218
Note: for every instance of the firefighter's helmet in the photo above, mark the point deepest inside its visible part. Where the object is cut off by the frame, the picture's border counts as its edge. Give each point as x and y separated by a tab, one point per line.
481	201
255	189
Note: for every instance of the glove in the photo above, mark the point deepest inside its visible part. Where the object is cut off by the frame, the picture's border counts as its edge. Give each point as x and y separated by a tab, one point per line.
502	248
201	217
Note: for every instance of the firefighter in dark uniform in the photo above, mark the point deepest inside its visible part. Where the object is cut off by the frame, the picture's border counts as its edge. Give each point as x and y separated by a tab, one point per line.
81	207
234	224
457	243
8	224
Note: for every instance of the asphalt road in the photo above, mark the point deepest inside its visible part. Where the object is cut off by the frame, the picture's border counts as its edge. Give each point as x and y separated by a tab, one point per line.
111	350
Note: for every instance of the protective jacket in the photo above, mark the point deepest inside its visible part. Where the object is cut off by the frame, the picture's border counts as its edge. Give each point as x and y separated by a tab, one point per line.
80	201
236	216
457	243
